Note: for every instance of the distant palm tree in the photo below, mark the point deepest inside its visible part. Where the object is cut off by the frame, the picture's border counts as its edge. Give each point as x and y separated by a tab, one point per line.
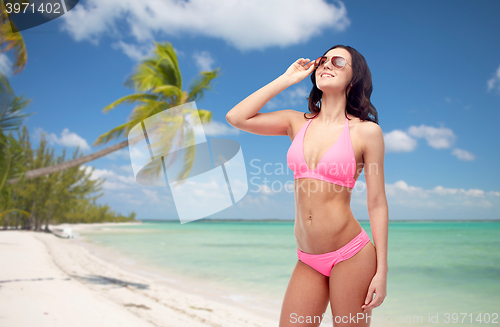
11	41
11	153
158	82
11	165
11	156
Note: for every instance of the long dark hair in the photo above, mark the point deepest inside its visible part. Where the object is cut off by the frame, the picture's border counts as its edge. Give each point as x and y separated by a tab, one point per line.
358	98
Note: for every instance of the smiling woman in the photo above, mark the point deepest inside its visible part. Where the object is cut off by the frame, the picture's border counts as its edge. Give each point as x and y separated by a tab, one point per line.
337	262
360	87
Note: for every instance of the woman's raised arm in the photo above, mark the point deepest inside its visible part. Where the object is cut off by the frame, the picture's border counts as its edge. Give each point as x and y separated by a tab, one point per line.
245	115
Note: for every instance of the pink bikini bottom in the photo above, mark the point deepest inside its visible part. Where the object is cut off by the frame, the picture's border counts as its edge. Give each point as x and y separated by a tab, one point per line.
324	263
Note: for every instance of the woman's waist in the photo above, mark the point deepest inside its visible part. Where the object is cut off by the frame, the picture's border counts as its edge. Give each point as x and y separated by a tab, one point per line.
324	206
325	233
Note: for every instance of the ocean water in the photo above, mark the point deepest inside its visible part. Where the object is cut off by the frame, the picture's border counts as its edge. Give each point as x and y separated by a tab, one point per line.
440	273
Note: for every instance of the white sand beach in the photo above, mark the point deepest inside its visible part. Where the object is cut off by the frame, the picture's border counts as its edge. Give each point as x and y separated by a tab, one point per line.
50	281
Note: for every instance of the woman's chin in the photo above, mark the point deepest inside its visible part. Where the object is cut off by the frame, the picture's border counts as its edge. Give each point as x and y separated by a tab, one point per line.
330	88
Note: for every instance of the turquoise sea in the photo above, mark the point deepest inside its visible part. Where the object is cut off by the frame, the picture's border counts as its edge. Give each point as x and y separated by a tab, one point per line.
445	272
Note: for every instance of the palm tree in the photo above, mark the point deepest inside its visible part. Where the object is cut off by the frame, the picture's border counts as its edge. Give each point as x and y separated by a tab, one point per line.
11	41
11	153
11	165
158	82
11	162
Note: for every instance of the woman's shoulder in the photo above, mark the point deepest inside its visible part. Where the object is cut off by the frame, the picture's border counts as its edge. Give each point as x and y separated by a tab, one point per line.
297	120
370	135
365	130
366	126
369	127
299	117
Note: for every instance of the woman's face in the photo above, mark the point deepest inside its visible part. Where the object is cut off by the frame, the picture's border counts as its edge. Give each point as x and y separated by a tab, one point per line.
329	78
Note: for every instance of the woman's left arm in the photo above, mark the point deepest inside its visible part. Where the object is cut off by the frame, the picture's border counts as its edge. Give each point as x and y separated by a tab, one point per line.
378	211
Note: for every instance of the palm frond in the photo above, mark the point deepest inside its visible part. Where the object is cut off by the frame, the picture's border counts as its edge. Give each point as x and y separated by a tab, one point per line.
205	116
11	106
10	40
131	99
203	83
148	109
168	91
168	64
145	77
115	133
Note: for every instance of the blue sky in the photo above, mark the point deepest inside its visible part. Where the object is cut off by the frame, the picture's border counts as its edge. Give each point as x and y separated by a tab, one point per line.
436	78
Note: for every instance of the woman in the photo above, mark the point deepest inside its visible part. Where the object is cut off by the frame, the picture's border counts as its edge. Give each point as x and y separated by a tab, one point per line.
336	260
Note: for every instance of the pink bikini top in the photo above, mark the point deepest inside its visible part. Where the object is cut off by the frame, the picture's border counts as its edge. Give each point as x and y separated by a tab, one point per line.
337	166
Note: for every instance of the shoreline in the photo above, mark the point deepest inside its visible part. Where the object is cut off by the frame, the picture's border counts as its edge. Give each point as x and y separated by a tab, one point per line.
84	280
261	306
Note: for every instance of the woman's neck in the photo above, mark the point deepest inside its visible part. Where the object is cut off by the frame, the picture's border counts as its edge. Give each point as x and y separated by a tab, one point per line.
333	107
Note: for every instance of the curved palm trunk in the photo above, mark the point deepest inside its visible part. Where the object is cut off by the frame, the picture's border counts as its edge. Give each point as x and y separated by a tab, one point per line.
71	163
164	91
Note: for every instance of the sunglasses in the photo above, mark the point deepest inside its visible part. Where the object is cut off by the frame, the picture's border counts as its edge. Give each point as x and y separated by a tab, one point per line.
337	61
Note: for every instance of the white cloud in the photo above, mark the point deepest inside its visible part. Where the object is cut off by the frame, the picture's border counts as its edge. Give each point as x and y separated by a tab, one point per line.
250	201
495	80
125	189
297	95
399	141
112	181
439	197
289	187
204	60
67	139
243	24
438	138
264	189
216	128
134	52
130	198
152	195
408	197
288	98
463	155
127	168
5	65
